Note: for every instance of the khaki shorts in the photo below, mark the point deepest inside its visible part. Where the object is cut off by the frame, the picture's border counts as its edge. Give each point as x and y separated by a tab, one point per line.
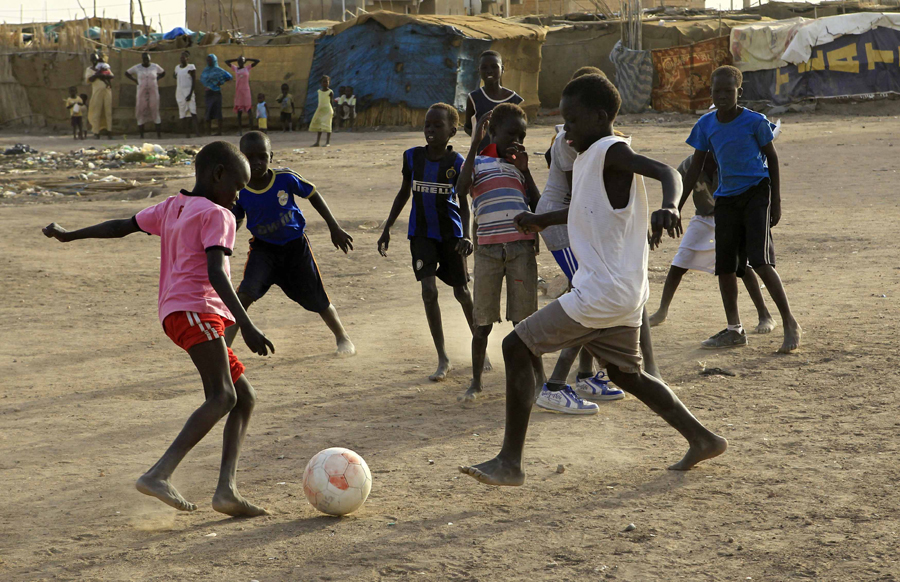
551	329
515	262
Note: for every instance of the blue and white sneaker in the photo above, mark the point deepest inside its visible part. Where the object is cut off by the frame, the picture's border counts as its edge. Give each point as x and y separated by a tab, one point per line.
597	388
565	401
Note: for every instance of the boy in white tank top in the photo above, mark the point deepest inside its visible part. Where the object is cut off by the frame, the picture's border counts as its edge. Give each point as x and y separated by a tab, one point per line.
608	235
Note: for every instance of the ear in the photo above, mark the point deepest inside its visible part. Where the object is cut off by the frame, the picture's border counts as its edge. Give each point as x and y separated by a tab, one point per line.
740	92
271	156
453	131
218	172
602	117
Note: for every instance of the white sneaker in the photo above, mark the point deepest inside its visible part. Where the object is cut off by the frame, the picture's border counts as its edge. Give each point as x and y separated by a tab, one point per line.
596	388
565	401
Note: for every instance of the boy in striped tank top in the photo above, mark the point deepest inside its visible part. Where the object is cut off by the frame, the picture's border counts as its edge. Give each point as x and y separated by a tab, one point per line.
501	187
481	101
607	222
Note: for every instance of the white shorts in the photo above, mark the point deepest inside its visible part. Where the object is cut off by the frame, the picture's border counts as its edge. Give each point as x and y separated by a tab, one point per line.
697	250
186	108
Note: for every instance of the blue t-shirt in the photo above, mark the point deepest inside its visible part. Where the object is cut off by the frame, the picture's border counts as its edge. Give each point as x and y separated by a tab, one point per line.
435	208
738	148
272	213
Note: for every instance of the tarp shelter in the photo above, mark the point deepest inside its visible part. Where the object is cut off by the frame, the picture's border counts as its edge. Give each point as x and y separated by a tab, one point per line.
33	86
684	74
571	47
839	56
399	65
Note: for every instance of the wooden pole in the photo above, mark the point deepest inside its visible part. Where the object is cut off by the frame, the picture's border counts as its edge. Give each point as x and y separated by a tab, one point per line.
131	14
143	19
95	8
283	16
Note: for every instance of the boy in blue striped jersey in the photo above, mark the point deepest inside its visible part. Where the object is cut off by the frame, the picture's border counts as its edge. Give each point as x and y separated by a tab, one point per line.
439	227
279	250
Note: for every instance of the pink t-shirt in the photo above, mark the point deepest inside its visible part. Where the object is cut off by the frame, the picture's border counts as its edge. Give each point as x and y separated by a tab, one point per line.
187	226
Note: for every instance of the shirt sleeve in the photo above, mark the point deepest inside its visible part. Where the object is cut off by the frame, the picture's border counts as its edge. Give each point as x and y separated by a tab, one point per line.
685	165
764	135
133	71
217	229
238	211
698	138
407	167
150	220
302	188
562	153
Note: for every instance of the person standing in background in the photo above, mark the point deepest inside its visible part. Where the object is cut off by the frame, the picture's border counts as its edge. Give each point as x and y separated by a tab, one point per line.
243	100
100	112
186	75
146	106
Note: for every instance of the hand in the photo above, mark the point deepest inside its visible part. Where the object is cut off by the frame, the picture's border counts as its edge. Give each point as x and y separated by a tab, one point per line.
775	213
383	242
527	222
667	219
256	340
341	240
517	156
191	94
465	247
54	230
481	129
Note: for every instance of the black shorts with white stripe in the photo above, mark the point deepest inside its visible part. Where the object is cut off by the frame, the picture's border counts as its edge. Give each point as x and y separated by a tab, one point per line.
743	234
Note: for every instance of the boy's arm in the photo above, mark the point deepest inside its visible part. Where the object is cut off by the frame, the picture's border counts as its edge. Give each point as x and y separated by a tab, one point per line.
464	246
193	74
530	222
399	202
108	229
775	179
519	158
622	158
467	173
470	113
691	177
339	237
218	278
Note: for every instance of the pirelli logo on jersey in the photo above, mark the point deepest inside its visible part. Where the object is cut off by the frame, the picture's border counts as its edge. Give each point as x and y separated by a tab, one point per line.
432	188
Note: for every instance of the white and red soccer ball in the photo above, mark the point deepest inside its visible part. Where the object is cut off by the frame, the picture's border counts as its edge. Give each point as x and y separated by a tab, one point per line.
337	481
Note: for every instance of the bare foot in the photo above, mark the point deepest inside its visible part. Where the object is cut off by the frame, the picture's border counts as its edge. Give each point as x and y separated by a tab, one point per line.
315	145
495	472
472	393
345	349
792	335
231	503
766	325
706	449
443	369
164	491
488	366
658	318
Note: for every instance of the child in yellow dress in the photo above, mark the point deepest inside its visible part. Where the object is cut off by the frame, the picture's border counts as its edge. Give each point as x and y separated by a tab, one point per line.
321	121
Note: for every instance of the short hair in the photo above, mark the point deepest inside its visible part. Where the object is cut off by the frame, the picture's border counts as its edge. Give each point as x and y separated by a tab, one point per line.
494	54
728	71
188	53
283	85
587	71
452	113
73	87
255	137
595	92
218	152
506	111
325	78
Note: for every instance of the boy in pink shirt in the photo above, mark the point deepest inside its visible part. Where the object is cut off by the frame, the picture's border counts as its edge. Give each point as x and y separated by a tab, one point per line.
196	304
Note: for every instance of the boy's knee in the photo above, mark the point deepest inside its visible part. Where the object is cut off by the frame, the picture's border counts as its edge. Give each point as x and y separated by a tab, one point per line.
225	400
482	331
462	293
429	292
513	345
246	396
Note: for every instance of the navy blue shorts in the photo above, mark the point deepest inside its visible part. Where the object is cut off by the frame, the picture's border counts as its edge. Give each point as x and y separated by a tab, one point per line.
433	258
291	266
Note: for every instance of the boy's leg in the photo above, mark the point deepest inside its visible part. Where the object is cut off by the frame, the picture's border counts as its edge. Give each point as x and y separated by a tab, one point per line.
703	444
345	347
792	329
211	360
141	129
436	326
490	270
585	364
506	467
227	499
673	279
479	350
240	122
464	297
159	130
647	347
563	365
328	139
318	140
730	258
766	322
522	293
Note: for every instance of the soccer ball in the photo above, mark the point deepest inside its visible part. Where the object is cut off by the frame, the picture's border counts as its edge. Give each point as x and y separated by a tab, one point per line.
337	481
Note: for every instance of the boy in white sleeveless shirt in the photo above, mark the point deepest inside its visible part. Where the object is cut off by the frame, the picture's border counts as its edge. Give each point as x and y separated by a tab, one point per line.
608	235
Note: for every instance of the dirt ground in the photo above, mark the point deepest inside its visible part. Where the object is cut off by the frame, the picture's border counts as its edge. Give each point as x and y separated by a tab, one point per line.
93	392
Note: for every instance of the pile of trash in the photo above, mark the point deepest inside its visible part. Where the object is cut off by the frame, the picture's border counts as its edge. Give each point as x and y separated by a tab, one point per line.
23	157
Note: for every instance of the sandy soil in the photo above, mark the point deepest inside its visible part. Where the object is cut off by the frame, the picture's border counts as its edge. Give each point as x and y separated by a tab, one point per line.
93	392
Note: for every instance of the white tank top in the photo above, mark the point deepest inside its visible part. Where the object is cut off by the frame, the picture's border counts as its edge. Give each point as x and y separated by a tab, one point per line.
610	286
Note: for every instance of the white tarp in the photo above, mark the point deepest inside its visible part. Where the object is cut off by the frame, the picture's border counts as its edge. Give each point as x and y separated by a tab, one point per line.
825	30
770	45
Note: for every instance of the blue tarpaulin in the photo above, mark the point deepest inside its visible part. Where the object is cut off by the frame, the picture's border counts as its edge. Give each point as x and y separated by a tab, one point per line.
854	64
176	32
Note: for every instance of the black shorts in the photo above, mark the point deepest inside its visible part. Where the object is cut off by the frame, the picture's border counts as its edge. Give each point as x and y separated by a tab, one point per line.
76	122
285	117
742	230
438	258
290	266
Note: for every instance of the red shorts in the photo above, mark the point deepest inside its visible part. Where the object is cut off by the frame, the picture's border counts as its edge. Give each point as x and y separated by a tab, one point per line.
187	329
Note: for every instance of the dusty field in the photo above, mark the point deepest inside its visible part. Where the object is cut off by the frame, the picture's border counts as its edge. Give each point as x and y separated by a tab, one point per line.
92	392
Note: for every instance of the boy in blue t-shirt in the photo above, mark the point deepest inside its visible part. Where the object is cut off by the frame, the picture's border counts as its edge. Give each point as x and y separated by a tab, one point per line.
747	203
279	249
439	227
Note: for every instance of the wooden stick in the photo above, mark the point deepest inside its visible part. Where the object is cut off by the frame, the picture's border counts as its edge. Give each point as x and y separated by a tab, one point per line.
143	20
